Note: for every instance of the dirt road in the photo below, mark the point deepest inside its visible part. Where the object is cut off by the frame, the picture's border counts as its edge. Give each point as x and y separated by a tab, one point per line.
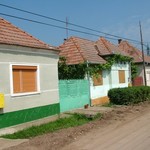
132	135
125	128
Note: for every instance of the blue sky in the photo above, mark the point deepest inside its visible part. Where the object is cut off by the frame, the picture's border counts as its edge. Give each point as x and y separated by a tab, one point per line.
119	17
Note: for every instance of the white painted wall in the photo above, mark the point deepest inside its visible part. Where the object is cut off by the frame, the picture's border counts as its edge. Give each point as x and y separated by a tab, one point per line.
110	80
48	74
115	77
100	91
147	67
141	72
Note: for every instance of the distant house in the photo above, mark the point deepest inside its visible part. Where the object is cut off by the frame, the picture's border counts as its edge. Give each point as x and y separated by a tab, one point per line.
77	50
138	60
28	78
119	75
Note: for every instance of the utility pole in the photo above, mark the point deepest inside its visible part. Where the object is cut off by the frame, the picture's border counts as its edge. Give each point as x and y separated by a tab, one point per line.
145	82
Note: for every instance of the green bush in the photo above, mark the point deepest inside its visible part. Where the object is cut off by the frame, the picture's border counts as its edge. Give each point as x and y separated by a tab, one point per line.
129	95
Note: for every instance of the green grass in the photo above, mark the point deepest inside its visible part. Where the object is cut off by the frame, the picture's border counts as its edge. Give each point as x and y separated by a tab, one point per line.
72	121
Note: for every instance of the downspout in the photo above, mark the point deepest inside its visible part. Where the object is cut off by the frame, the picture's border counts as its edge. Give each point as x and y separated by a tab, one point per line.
88	78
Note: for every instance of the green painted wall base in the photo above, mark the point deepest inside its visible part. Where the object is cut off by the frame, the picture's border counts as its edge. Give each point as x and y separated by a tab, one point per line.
22	116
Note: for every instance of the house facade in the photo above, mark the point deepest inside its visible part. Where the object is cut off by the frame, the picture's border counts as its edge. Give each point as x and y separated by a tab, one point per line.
138	60
117	76
29	77
77	50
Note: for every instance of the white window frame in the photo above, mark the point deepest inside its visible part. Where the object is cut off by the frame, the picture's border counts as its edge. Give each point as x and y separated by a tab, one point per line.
26	93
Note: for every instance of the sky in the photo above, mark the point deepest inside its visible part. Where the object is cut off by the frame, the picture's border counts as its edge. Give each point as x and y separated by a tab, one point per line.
117	17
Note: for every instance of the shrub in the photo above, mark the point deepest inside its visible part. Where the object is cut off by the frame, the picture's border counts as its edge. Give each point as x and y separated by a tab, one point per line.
129	95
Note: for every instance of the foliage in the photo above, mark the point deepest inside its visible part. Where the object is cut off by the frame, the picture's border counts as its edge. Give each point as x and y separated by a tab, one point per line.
72	121
116	58
70	71
80	70
129	95
134	70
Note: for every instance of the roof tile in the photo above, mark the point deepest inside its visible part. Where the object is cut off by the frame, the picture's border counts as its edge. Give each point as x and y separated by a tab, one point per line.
107	48
12	35
134	52
78	50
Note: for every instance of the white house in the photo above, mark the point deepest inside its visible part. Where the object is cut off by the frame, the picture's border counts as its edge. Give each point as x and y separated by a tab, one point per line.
28	78
138	60
78	50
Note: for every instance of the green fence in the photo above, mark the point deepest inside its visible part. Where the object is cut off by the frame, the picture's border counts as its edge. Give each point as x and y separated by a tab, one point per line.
73	94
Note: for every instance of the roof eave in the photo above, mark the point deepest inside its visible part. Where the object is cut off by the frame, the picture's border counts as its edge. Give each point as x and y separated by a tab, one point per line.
105	55
36	47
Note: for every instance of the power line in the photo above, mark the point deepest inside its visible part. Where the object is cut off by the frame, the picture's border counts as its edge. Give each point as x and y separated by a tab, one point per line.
60	27
47	24
83	27
29	12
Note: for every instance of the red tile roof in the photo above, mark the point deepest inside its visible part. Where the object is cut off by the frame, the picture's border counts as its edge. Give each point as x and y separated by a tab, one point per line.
78	50
134	52
107	48
10	34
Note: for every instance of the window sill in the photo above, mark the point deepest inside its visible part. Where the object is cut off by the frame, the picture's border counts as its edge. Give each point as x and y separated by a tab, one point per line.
98	85
25	94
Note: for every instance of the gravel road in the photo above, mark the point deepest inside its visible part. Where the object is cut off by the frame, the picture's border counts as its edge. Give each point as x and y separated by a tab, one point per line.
125	128
130	135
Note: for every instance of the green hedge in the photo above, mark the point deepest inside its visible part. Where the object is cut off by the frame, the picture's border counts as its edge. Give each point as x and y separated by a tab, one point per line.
129	95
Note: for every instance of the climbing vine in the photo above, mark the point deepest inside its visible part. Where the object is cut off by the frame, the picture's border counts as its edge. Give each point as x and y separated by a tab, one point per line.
79	71
134	70
71	71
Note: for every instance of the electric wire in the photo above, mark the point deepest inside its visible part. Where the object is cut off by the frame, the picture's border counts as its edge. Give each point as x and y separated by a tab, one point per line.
60	27
76	25
56	26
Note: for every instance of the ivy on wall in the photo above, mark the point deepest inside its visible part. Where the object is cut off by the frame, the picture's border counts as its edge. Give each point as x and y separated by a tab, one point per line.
71	71
134	70
80	70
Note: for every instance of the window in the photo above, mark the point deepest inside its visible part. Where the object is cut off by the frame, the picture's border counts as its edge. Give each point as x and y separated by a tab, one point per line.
24	79
98	80
121	76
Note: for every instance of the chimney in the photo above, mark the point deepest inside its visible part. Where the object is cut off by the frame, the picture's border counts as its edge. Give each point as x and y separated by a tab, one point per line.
119	41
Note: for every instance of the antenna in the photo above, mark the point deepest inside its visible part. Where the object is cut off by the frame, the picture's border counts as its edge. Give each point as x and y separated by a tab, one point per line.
66	27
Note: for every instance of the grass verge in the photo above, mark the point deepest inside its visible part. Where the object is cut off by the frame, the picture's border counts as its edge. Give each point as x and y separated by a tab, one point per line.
72	121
